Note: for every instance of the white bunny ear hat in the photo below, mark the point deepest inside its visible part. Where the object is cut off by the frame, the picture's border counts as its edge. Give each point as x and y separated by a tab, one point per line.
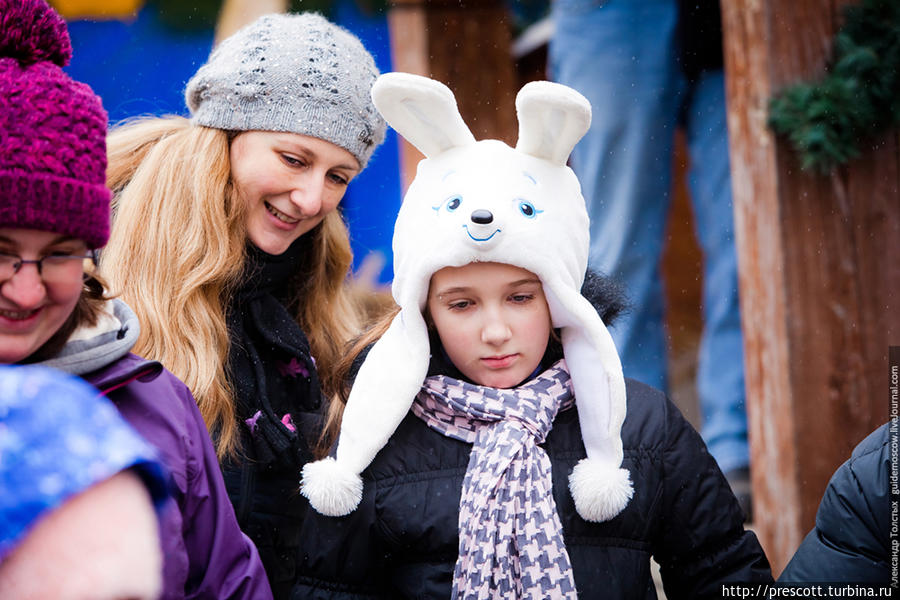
484	201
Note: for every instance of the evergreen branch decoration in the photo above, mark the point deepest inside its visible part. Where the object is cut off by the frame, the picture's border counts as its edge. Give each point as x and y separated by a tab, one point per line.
859	97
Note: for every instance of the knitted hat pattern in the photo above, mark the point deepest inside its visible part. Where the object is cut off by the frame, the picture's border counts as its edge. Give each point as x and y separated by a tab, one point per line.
52	131
482	201
294	73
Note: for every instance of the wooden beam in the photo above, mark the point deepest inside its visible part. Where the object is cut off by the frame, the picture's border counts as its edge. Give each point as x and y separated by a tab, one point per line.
819	275
465	45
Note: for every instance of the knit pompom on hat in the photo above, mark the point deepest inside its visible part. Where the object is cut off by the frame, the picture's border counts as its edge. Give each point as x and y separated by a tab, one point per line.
31	32
52	130
482	201
297	73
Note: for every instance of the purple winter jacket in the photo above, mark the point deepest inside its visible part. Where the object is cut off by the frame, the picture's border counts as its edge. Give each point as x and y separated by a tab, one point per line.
206	555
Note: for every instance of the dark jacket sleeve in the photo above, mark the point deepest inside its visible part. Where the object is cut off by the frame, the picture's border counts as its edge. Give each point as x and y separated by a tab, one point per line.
224	563
702	543
850	542
342	557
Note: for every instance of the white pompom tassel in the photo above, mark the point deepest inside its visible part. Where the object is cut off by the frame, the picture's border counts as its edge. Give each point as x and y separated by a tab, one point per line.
600	490
331	488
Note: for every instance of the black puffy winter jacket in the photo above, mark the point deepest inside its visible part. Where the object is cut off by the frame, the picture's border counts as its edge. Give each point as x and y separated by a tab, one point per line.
402	540
851	540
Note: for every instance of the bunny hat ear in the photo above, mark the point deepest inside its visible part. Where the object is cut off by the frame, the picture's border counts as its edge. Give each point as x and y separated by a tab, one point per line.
552	118
422	110
532	198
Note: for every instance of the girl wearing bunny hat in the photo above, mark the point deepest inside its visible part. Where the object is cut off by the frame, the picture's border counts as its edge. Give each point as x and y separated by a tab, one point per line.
484	450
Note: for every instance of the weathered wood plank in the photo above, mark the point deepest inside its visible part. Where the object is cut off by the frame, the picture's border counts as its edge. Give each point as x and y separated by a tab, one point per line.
819	274
409	52
873	192
764	302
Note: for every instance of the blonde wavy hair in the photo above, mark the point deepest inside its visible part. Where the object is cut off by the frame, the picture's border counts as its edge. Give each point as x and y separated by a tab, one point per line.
177	252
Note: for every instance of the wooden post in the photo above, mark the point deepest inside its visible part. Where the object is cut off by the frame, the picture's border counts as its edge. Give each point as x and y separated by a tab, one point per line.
819	272
465	45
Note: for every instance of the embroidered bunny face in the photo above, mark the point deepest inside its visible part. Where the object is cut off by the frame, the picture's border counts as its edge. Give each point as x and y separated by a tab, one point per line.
487	202
490	192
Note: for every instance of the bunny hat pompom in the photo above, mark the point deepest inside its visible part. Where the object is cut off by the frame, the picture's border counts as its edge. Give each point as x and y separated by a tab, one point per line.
484	201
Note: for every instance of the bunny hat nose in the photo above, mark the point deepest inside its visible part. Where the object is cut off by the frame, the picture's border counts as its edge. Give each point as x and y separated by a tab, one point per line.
482	217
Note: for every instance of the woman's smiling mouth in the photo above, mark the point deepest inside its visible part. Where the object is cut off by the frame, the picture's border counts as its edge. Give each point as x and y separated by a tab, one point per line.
18	320
280	215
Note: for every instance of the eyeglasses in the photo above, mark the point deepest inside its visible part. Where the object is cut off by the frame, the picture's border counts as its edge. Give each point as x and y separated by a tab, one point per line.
53	268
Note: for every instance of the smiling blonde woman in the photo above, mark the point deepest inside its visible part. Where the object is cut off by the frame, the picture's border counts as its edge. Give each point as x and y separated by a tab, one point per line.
228	245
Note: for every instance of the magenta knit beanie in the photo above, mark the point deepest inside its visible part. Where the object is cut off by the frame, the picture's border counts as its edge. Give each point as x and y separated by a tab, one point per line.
52	130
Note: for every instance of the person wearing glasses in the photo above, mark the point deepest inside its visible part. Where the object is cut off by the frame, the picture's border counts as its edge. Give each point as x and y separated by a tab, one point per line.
54	311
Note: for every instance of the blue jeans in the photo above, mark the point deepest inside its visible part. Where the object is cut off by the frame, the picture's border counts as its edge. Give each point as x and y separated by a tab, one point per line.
621	55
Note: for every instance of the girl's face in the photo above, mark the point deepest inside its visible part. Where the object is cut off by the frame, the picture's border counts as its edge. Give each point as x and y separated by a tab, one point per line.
289	181
34	307
493	321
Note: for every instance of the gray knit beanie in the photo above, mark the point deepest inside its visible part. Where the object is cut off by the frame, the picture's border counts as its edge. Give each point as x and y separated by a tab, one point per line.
296	73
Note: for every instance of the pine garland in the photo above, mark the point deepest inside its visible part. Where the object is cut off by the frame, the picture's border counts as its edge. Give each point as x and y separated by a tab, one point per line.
859	97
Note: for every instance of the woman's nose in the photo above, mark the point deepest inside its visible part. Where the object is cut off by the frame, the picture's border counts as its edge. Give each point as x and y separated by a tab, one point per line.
308	196
26	288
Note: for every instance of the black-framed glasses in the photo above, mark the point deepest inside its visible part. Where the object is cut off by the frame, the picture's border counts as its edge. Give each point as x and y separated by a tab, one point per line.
53	268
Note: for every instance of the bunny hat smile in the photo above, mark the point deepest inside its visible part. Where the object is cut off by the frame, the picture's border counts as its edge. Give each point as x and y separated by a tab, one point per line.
484	201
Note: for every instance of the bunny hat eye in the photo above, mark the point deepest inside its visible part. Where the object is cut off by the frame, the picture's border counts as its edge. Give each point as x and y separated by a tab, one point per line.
451	203
528	209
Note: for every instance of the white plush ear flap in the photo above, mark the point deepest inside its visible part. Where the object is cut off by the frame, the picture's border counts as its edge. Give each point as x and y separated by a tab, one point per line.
422	110
387	383
600	487
552	118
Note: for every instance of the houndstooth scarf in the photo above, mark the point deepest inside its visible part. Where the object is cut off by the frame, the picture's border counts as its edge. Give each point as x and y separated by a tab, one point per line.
510	536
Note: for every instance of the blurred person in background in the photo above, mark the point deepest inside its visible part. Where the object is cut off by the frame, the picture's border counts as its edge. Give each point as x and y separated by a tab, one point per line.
648	67
77	519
